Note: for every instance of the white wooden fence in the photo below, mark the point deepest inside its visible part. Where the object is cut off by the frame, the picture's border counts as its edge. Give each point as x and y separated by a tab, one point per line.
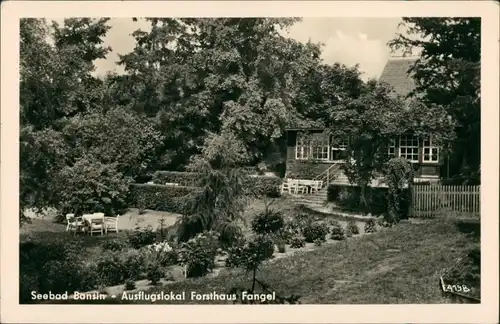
434	200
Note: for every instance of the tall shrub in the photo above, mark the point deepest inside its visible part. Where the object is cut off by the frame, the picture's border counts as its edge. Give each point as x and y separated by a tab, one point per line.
398	174
220	202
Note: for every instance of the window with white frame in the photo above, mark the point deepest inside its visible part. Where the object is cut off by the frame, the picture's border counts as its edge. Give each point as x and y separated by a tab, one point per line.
431	152
302	147
391	148
408	147
340	146
338	150
320	147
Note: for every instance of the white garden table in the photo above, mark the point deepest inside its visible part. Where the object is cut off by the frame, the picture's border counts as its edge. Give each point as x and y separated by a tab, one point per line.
89	217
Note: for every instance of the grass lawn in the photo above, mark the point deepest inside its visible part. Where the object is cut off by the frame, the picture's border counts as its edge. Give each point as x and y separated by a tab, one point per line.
397	266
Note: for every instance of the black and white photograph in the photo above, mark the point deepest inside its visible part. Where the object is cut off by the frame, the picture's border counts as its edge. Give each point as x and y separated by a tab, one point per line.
250	160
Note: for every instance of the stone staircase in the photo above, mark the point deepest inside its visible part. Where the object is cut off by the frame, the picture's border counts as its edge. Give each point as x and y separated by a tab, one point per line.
333	175
317	199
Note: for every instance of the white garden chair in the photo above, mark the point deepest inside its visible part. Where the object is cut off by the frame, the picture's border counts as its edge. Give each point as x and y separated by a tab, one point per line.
302	186
111	224
293	186
74	223
316	186
96	223
285	187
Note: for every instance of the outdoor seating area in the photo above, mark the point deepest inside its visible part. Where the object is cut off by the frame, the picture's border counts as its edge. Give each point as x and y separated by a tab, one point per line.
301	186
96	223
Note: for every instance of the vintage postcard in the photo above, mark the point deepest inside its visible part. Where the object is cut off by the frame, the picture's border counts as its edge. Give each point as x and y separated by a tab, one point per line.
267	161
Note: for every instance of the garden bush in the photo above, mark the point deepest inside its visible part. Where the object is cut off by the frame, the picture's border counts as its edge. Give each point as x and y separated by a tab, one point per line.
318	242
264	186
60	276
303	219
114	245
163	253
333	223
337	233
154	272
199	253
159	197
370	226
398	172
281	246
115	267
134	263
141	236
111	269
348	198
249	254
348	232
297	242
52	266
268	222
315	231
87	276
76	185
129	284
353	227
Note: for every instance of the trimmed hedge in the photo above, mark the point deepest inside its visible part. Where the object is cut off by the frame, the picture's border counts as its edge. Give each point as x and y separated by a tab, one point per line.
261	185
158	197
348	198
182	178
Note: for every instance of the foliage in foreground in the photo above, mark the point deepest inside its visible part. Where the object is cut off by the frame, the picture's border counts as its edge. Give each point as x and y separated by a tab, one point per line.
249	256
324	275
370	226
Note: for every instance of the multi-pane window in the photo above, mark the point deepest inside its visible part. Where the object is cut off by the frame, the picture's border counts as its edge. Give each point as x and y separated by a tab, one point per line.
391	148
340	146
431	152
408	147
320	147
339	150
302	147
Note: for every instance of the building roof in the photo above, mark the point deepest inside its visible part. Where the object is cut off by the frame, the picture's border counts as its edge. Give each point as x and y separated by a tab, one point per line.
396	74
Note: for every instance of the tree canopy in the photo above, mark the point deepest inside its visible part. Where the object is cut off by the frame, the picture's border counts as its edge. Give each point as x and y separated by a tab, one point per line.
219	92
448	74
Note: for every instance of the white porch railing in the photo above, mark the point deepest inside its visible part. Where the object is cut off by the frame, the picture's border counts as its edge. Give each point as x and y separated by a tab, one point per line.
329	174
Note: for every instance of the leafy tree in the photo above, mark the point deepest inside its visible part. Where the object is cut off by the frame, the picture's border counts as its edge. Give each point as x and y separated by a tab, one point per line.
448	74
217	75
370	121
56	66
55	84
324	87
68	116
220	202
117	136
89	186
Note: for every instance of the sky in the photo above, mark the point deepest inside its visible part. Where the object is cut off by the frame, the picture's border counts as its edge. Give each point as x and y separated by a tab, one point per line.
347	41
